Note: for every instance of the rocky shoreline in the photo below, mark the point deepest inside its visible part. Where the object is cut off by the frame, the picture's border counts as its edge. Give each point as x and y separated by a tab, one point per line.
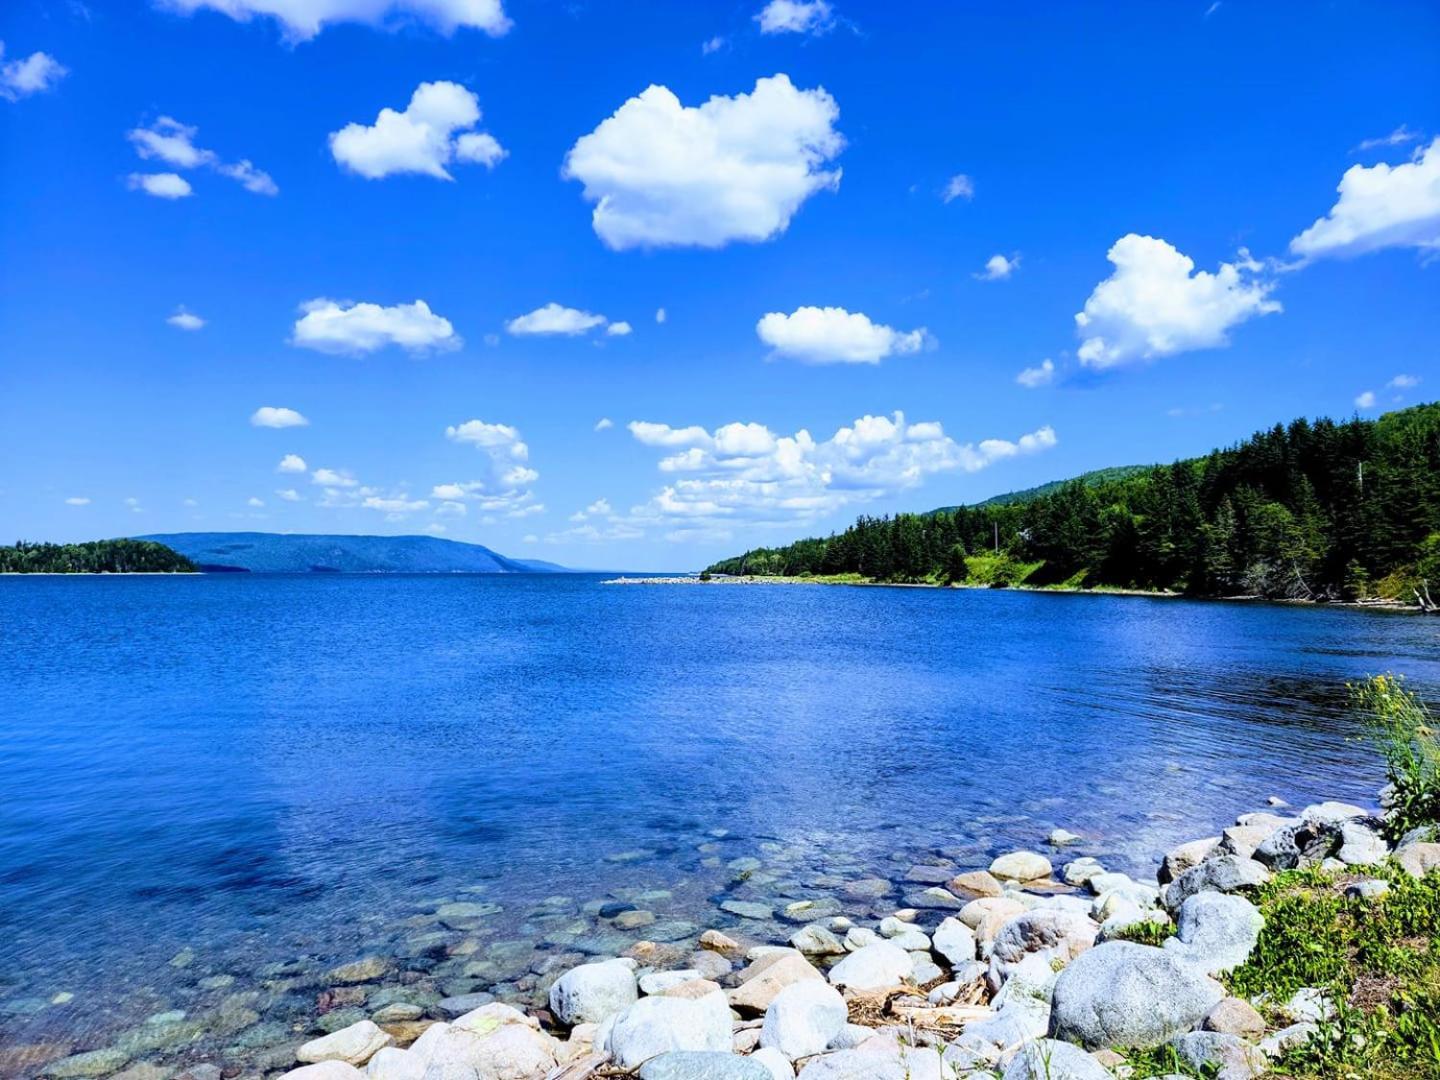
1031	968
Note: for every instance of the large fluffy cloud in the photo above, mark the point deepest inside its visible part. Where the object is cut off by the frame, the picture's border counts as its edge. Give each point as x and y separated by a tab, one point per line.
303	19
1380	206
833	335
505	487
663	174
332	326
743	473
172	142
1156	303
33	74
433	131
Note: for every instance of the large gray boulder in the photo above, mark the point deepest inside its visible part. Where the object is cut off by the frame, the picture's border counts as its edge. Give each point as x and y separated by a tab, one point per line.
1216	931
1122	994
657	1025
592	992
1047	1059
954	941
804	1019
1223	873
1362	842
495	1041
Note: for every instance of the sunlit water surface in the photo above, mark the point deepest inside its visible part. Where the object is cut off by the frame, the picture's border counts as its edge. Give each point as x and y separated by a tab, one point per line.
268	771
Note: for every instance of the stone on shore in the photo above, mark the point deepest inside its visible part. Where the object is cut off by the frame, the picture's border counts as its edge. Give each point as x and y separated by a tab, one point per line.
1120	994
976	883
803	1019
815	940
1418	859
1079	871
1216	931
1225	1057
703	1065
1224	873
354	1045
723	944
1186	857
326	1070
775	1062
657	1025
1057	935
392	1063
493	1042
1047	1059
954	941
1235	1016
766	977
1021	866
590	993
873	968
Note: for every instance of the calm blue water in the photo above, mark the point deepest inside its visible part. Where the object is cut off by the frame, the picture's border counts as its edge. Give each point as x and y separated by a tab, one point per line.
262	769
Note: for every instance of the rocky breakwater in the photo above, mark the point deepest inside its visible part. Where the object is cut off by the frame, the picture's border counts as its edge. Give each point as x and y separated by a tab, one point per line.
1022	971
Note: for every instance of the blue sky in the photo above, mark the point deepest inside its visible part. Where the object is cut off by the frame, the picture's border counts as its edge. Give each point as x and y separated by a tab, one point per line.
814	194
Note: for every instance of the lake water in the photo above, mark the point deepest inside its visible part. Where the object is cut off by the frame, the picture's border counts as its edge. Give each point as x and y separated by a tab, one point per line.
216	788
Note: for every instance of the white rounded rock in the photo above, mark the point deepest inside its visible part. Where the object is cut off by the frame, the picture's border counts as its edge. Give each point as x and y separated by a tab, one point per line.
873	967
591	992
803	1019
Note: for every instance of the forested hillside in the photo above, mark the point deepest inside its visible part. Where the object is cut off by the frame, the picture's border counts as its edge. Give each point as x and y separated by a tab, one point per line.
1316	510
93	557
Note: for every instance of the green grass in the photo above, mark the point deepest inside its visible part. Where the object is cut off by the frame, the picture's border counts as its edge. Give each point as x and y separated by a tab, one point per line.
1378	960
1403	728
1150	932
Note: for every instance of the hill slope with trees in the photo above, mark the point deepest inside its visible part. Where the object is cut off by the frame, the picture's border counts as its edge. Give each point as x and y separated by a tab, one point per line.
1314	510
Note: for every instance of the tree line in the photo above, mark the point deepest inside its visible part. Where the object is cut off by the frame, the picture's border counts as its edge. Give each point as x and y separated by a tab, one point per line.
1313	510
94	557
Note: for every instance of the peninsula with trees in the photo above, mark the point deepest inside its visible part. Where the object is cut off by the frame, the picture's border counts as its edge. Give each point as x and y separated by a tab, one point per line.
1313	510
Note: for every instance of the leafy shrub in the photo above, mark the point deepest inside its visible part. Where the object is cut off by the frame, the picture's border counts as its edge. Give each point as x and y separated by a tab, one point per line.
1402	726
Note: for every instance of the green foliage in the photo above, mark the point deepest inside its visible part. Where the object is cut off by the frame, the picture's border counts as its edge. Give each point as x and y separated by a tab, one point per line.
1148	932
1378	960
997	571
1402	726
1161	1061
1315	510
95	557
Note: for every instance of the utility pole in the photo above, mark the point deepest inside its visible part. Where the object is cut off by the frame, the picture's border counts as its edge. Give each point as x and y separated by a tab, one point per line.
997	536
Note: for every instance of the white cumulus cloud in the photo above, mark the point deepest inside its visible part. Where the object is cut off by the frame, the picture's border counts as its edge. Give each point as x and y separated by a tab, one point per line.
743	473
1365	400
334	478
165	185
604	424
1156	304
506	485
795	17
185	320
303	19
343	327
430	134
1403	382
1380	206
998	267
77	500
289	495
833	335
554	318
33	74
291	463
172	142
663	174
1042	374
272	416
619	329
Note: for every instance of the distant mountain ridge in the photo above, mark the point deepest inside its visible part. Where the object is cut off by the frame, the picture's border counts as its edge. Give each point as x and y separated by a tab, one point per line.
299	553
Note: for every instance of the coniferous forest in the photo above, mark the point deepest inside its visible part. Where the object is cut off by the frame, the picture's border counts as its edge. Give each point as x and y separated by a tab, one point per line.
94	557
1313	510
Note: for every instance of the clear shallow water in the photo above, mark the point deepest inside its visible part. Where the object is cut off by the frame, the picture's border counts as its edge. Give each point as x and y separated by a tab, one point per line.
297	770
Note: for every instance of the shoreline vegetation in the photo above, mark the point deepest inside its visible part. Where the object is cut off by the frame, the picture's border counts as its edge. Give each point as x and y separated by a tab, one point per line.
1302	943
1316	510
708	578
120	556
